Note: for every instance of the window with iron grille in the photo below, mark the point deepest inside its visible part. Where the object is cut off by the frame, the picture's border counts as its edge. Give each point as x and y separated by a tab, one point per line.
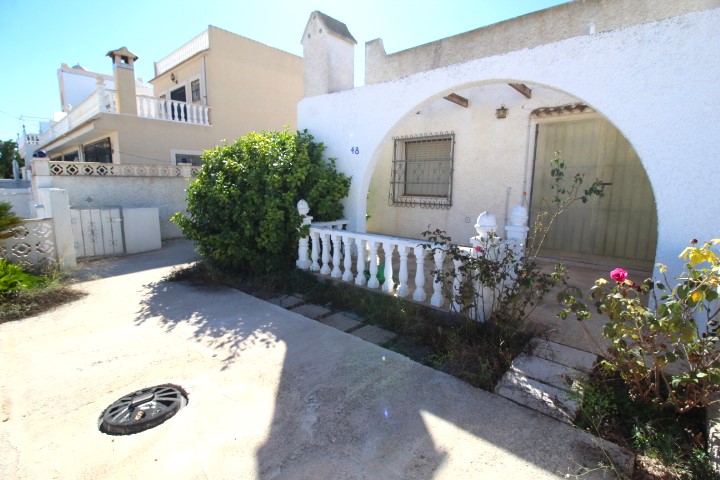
195	90
98	152
422	171
185	159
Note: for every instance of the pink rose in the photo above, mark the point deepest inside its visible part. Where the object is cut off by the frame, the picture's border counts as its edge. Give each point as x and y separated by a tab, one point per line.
619	275
478	249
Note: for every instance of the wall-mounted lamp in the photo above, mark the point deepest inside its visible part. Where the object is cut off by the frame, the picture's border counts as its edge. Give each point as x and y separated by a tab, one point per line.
501	112
173	77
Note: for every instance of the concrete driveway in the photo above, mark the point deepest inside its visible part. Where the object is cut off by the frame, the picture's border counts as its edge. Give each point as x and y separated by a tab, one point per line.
271	394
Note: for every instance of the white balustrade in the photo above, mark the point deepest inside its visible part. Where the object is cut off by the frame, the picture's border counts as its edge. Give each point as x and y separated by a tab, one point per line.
402	290
314	252
347	241
360	265
437	299
457	283
332	248
172	110
192	47
373	282
325	269
419	295
336	273
388	285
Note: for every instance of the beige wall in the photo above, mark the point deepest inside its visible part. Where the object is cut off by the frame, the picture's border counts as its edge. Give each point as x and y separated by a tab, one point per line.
572	19
250	86
144	141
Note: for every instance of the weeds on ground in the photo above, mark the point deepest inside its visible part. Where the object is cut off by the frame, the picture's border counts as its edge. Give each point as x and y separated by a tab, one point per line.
23	294
668	445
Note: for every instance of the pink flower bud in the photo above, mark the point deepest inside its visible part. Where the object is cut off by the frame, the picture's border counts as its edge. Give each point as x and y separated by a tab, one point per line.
619	275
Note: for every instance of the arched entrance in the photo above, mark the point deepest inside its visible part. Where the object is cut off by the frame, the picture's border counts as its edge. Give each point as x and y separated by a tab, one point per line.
494	161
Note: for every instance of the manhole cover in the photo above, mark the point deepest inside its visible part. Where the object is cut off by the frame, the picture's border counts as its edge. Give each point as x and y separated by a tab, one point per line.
146	408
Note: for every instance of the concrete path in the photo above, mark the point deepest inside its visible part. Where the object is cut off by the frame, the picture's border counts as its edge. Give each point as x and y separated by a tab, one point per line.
272	394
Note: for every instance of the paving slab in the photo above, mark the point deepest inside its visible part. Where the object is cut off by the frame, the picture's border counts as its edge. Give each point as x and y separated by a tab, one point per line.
547	372
341	322
272	395
287	301
568	356
551	401
373	334
316	312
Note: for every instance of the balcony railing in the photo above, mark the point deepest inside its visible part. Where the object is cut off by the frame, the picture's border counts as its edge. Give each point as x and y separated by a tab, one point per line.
198	44
103	101
161	109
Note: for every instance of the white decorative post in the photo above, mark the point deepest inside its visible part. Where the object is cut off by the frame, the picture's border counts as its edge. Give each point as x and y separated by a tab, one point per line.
347	274
336	273
100	89
419	295
373	282
437	299
388	285
360	265
403	290
325	269
303	261
486	226
517	231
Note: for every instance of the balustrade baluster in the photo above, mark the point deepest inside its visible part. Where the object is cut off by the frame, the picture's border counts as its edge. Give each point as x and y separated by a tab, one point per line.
347	274
457	283
419	295
336	273
389	284
403	290
325	269
360	264
373	282
437	299
314	252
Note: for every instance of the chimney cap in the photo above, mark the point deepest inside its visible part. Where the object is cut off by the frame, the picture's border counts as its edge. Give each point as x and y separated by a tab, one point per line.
122	52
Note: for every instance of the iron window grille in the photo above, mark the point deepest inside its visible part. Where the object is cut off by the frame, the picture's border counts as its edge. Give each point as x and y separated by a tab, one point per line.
422	171
195	90
100	152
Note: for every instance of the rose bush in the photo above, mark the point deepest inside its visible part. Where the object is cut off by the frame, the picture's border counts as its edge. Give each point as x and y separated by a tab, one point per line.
651	327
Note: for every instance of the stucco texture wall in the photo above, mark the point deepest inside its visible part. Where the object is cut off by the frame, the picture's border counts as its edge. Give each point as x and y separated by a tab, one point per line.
654	81
490	157
165	193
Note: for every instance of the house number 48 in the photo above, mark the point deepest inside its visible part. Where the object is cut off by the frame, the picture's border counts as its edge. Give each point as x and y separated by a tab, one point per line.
355	150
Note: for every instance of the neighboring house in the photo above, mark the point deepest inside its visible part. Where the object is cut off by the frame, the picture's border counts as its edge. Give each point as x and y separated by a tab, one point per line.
120	144
446	130
215	88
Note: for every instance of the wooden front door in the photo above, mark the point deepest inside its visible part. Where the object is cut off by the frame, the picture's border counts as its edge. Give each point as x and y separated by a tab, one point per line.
618	229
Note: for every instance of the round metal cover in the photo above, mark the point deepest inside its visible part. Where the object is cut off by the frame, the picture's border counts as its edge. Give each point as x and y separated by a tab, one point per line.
143	409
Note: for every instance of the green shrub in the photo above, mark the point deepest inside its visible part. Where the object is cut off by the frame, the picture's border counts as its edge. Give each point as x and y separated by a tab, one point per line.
242	211
13	277
8	220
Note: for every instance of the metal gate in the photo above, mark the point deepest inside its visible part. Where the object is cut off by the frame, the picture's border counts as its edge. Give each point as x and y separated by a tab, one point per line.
97	231
619	227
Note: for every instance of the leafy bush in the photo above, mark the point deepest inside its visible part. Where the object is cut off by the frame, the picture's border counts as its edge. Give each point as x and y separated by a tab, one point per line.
242	210
8	220
652	327
13	277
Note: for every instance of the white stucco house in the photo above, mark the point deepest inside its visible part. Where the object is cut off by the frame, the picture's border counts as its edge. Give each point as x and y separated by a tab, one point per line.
624	89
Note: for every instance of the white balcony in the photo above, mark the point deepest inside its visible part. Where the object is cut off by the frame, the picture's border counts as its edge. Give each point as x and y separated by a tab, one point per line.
103	101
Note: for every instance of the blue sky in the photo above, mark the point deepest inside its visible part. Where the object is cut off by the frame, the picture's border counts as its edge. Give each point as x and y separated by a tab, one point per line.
39	35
